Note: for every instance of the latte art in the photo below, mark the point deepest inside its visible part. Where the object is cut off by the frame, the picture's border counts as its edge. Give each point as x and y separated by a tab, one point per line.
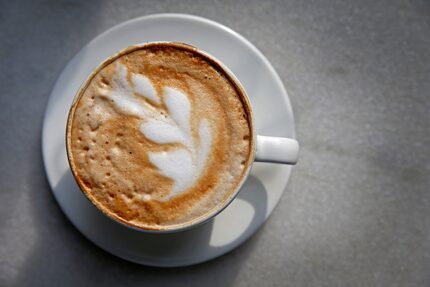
183	165
160	136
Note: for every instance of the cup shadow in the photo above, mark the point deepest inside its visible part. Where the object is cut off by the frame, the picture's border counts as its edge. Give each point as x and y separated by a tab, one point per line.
173	249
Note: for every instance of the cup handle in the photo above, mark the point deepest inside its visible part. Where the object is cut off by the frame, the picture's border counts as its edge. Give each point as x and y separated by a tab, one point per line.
277	150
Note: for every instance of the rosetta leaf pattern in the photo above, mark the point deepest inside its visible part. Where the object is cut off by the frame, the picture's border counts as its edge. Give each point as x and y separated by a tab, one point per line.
174	99
144	88
182	165
162	132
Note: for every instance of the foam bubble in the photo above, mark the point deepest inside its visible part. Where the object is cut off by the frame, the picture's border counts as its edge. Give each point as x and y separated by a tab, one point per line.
115	151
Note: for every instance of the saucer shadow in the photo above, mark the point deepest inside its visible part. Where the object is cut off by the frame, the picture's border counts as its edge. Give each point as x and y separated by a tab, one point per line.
173	249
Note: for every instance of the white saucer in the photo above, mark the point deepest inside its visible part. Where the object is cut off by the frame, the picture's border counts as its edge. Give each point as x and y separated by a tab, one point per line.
261	192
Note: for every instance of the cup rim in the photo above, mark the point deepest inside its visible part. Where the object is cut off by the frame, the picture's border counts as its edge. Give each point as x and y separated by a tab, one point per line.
247	105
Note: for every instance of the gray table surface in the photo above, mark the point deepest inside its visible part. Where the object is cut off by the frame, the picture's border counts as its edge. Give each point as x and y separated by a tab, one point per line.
357	209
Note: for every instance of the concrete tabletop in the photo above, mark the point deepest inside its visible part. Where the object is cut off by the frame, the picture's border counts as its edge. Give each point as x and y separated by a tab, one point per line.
357	209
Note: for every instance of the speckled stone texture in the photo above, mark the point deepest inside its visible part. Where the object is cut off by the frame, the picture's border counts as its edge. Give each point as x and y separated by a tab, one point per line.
357	209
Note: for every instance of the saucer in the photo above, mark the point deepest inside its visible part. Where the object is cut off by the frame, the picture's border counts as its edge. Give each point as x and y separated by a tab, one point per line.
260	193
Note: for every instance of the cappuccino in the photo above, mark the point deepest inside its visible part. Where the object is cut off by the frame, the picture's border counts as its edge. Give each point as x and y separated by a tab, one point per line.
160	136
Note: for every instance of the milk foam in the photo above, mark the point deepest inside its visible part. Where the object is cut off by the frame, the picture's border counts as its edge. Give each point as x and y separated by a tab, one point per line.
144	87
182	165
122	95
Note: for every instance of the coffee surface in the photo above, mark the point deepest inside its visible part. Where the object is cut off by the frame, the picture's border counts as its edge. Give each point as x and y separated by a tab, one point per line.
160	136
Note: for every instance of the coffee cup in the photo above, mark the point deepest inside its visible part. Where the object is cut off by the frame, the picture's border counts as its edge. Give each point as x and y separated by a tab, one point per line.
161	137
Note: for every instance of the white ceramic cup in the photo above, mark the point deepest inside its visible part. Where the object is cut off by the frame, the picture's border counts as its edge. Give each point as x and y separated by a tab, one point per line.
264	148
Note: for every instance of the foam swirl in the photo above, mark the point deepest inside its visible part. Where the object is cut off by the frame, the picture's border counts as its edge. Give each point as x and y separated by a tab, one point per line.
183	165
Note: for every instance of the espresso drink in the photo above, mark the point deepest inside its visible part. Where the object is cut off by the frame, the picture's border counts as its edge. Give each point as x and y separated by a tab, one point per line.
160	136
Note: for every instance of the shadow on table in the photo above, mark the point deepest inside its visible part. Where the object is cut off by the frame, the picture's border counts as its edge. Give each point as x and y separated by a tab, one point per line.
62	255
